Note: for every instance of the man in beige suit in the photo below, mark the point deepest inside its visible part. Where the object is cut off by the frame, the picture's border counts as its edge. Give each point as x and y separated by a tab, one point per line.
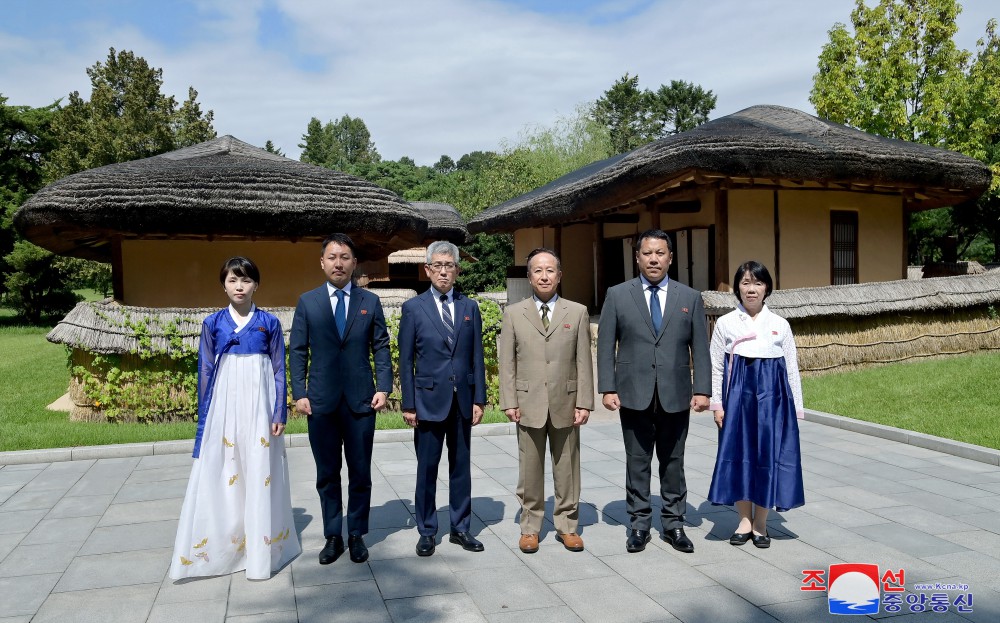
547	388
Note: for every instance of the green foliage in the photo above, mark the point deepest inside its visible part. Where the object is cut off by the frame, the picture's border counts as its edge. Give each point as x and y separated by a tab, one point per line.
901	75
271	149
25	138
126	118
86	274
680	107
37	285
339	145
494	254
492	315
143	395
634	117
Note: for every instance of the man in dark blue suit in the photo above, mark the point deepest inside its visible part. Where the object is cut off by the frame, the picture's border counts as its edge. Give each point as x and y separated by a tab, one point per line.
335	329
443	381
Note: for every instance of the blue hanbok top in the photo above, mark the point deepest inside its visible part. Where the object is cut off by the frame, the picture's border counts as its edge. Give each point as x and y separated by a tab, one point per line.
220	336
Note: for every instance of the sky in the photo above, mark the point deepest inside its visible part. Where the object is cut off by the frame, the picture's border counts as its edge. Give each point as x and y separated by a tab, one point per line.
428	77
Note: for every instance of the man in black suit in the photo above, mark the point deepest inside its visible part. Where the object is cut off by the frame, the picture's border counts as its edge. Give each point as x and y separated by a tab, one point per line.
652	332
442	377
336	328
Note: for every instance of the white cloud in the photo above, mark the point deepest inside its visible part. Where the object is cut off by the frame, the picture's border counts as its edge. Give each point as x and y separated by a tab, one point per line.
447	76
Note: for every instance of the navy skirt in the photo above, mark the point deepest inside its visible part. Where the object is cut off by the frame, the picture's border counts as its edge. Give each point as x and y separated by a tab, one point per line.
759	458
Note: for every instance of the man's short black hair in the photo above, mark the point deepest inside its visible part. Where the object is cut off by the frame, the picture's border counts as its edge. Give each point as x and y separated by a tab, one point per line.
654	233
341	239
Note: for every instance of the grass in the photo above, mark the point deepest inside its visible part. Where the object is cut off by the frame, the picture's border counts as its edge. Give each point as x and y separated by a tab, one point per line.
953	398
35	374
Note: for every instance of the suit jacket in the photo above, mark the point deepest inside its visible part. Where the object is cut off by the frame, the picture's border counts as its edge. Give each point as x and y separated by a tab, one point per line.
632	359
431	373
325	367
546	373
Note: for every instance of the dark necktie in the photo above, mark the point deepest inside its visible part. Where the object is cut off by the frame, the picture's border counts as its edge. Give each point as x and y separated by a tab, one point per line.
449	324
655	313
340	315
545	316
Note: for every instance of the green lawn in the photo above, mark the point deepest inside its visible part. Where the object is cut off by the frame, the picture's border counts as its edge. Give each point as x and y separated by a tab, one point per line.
35	374
954	398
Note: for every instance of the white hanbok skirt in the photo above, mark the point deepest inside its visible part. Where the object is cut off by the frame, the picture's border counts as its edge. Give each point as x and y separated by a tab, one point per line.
237	512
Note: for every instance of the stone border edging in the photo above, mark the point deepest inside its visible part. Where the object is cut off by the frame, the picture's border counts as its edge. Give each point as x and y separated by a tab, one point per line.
921	440
186	446
181	446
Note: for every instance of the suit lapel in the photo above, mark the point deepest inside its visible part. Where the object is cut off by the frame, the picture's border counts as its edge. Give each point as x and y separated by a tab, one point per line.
326	311
531	315
357	302
639	297
558	315
429	305
461	303
670	308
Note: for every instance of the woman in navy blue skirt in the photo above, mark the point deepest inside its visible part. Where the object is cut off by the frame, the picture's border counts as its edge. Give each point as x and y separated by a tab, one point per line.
757	400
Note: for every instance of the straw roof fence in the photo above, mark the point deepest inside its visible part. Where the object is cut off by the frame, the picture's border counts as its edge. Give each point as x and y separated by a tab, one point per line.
844	327
220	189
758	145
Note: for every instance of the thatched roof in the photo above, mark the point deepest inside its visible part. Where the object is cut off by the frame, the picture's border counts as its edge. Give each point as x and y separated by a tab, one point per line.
220	189
868	299
761	146
443	222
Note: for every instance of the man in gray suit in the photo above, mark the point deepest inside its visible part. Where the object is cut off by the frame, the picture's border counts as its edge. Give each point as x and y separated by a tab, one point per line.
651	331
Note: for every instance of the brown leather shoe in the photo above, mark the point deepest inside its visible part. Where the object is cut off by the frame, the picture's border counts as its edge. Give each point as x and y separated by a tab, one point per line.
571	541
528	543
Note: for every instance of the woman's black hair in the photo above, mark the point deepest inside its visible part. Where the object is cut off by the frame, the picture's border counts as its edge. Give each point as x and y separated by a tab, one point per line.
241	267
757	271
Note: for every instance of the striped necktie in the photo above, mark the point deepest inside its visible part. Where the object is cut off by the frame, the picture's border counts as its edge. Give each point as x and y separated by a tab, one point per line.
545	316
449	323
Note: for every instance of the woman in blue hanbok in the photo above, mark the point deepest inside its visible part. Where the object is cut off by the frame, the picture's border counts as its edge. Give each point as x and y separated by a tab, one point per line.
237	512
757	400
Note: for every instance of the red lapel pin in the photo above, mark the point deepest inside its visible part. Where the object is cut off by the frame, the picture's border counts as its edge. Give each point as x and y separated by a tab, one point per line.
364	312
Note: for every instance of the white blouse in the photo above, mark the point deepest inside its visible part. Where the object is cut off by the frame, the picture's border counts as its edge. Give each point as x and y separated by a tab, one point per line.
767	336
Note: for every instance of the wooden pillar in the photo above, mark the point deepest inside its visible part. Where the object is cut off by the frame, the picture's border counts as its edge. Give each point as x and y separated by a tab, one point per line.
600	282
117	273
907	215
557	239
722	241
777	243
654	215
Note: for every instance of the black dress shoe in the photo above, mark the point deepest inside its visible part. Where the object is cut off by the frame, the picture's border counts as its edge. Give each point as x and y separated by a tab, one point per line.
425	546
762	541
678	540
466	540
359	552
637	540
332	551
739	539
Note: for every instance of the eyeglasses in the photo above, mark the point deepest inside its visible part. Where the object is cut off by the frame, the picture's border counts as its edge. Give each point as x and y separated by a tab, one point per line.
438	266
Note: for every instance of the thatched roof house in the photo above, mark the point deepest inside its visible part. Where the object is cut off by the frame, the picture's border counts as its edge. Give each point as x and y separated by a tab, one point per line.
818	202
185	211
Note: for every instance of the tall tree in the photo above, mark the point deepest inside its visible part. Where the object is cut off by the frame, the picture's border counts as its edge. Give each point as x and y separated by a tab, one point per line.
190	125
680	107
900	74
624	110
25	139
635	116
338	145
127	118
271	149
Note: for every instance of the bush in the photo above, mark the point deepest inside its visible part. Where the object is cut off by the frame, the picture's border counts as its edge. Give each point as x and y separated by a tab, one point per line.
38	284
